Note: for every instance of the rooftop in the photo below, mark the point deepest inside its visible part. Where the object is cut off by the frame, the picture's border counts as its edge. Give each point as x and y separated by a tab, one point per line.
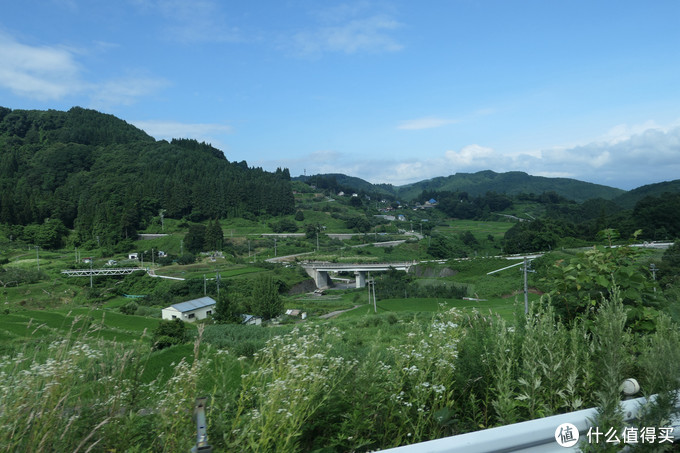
194	304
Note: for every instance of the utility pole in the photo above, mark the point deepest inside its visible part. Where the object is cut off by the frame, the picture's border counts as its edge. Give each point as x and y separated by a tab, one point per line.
91	259
217	279
181	247
526	270
652	267
37	256
275	247
370	283
204	286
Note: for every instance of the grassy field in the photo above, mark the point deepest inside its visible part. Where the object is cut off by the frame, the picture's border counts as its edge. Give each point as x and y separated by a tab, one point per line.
504	307
25	324
479	229
206	268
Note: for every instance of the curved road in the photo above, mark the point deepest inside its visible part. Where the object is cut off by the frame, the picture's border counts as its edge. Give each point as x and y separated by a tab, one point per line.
337	312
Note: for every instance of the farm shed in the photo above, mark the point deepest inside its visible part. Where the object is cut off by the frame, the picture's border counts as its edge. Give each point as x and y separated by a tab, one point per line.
251	320
190	310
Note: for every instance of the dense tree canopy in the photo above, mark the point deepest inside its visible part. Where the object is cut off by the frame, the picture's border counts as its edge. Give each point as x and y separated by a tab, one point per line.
103	177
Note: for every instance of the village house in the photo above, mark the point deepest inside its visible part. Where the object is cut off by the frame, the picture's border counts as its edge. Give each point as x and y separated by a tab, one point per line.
190	310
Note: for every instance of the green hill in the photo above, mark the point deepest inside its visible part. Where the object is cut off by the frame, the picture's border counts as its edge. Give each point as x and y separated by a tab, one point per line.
338	182
510	183
474	184
629	199
105	178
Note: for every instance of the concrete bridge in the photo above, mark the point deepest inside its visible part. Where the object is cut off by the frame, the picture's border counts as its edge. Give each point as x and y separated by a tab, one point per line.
319	270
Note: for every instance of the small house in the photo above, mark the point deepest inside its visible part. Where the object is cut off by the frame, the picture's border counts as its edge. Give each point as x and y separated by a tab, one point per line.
190	310
133	256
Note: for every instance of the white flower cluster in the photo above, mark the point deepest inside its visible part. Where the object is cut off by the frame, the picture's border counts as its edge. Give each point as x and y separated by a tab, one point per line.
294	374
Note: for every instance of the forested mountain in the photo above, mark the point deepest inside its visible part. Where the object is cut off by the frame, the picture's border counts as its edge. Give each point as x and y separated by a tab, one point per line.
629	199
337	182
473	184
103	177
510	183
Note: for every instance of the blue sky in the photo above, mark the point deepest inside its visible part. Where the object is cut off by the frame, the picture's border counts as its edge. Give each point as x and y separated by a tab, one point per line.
388	91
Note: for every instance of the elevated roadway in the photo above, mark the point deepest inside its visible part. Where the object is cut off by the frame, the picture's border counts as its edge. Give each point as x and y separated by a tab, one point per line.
319	270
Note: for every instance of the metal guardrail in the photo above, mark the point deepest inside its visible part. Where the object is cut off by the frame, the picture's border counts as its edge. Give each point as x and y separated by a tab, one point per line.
534	436
202	445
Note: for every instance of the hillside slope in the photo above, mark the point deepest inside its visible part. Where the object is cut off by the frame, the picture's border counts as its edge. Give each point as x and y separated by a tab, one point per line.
629	199
510	183
105	178
474	184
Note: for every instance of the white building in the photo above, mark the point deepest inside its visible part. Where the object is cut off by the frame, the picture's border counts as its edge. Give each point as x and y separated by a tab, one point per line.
190	310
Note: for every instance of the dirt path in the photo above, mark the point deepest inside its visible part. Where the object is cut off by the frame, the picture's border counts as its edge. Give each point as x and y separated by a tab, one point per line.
337	312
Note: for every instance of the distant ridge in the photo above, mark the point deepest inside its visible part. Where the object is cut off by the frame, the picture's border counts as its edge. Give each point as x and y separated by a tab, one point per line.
511	183
478	183
628	199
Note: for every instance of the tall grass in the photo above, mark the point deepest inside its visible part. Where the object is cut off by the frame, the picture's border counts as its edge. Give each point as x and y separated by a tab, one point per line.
295	375
82	393
54	398
358	384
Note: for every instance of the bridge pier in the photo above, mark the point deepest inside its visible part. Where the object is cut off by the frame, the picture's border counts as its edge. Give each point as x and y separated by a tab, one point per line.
321	278
360	278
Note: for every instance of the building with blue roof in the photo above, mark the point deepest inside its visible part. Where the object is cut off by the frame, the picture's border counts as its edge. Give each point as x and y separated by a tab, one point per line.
190	310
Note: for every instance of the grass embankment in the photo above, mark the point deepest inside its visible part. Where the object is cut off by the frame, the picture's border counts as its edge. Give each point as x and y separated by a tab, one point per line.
504	307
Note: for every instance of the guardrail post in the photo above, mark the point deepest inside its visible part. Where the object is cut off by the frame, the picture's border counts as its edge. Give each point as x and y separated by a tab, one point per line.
202	445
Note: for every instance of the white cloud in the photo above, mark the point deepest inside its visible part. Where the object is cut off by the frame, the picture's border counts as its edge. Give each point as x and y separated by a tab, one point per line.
192	21
631	158
348	33
472	156
38	72
124	91
425	123
645	157
50	73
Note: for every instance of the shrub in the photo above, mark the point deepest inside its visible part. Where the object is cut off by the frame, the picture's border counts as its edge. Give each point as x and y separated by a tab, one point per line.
169	333
187	258
129	308
245	349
